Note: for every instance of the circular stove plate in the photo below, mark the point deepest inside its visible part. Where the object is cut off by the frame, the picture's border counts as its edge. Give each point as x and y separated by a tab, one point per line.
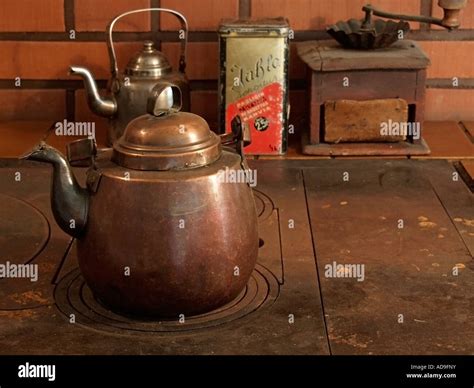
24	230
73	296
264	205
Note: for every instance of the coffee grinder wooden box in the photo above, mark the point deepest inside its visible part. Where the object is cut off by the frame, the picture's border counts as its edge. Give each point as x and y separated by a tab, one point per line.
354	94
253	81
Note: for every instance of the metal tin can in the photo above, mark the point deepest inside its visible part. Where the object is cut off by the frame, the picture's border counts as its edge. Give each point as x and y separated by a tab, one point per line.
253	81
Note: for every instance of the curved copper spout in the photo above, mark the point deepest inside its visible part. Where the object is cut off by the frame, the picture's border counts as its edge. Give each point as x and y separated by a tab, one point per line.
69	201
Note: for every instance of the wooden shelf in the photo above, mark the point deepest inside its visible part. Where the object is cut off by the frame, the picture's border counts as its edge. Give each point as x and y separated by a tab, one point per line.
447	140
18	137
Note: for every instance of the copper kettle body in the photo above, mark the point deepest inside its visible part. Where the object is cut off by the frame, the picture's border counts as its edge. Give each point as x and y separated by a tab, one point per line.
127	91
158	232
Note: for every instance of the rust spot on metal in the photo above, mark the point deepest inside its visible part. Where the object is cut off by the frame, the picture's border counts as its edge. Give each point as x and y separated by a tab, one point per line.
29	296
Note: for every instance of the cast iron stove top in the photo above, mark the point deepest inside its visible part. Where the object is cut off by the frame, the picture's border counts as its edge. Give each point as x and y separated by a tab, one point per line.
306	211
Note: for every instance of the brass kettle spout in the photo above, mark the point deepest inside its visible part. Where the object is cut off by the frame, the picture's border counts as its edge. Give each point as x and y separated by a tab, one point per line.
105	107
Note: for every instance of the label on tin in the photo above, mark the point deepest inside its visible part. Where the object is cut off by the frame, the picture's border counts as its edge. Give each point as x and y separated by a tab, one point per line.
256	79
262	112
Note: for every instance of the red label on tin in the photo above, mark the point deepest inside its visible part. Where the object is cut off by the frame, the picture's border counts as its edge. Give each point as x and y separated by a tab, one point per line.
262	111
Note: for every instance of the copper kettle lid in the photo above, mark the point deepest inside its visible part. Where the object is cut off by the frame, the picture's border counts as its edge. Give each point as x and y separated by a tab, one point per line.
148	62
165	138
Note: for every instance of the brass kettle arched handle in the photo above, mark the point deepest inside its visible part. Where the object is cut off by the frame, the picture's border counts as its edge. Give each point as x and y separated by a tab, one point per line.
110	42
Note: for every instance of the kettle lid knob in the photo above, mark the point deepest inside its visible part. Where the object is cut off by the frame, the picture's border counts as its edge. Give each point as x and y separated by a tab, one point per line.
148	46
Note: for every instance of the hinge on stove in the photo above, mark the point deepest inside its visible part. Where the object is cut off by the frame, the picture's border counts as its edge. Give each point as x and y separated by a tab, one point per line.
240	137
82	153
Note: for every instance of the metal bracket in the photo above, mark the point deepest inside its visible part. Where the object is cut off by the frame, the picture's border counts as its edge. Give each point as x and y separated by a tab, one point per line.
240	137
82	152
93	179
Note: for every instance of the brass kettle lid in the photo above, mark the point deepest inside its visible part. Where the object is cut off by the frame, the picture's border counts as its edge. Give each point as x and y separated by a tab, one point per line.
165	138
148	62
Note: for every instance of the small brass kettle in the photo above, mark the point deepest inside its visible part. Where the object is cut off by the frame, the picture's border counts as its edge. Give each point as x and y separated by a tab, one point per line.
159	232
128	91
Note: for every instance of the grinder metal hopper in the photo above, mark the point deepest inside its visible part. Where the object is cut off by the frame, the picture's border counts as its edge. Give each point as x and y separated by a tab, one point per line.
367	34
358	34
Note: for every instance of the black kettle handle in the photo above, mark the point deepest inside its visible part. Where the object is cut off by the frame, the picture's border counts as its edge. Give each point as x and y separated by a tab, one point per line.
240	137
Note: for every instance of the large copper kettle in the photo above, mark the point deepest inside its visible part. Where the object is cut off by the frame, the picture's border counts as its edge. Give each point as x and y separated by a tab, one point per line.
128	90
158	231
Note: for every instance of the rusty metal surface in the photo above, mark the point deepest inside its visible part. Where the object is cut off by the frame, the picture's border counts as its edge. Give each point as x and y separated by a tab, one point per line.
25	193
73	296
410	301
23	241
408	271
279	313
456	198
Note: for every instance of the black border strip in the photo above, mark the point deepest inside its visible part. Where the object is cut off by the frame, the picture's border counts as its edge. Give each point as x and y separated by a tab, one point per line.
203	85
210	36
447	83
366	371
99	36
244	9
69	18
47	84
426	7
70	104
155	23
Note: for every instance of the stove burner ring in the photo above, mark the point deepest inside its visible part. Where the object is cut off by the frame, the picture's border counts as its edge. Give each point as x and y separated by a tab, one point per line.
264	205
73	296
24	229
